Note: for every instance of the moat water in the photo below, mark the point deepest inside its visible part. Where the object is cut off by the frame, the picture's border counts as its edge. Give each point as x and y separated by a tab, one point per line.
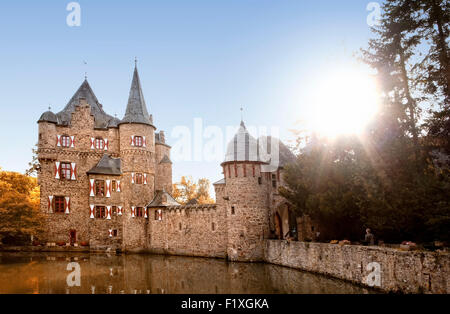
74	273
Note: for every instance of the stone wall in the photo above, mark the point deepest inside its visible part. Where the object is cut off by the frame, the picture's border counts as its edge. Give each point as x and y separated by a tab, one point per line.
400	271
199	230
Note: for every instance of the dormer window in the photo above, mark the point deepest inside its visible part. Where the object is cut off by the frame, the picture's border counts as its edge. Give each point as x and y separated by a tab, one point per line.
138	141
65	141
99	143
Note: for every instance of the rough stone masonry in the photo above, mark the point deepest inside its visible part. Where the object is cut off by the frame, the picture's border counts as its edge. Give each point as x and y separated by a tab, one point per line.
106	184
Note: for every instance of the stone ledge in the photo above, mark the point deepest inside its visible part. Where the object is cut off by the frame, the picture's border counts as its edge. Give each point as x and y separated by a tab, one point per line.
401	271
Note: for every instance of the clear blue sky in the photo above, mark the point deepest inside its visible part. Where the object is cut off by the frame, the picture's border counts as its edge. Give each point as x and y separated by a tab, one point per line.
197	58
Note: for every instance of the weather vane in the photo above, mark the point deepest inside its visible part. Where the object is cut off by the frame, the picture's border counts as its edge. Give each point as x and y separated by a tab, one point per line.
242	114
85	72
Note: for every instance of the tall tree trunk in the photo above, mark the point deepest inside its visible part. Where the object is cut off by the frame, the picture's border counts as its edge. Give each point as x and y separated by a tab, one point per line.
436	18
411	105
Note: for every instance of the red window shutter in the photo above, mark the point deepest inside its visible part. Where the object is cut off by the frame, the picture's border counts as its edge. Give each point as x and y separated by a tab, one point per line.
67	205
57	170
50	203
58	140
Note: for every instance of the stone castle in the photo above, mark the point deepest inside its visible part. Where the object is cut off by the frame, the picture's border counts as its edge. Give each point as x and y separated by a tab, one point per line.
106	184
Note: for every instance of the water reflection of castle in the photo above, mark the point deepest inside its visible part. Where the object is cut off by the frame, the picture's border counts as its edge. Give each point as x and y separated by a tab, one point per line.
142	274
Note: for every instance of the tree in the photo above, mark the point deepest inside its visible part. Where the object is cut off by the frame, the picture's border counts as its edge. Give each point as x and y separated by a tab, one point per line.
34	164
386	179
187	190
20	217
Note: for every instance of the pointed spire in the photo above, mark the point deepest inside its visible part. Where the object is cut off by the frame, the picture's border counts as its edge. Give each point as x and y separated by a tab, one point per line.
136	108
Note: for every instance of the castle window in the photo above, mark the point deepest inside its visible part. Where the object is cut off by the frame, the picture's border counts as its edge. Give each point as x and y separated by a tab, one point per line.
245	170
180	226
65	141
99	188
65	170
114	210
274	181
213	226
138	141
235	171
233	210
99	143
114	185
253	168
259	180
100	212
139	178
139	212
229	171
115	233
158	214
59	204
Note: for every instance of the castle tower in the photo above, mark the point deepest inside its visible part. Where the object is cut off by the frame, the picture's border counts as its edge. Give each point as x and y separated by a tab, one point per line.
246	198
137	151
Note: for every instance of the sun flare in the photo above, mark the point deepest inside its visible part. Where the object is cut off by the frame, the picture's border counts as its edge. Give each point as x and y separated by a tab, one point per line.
344	103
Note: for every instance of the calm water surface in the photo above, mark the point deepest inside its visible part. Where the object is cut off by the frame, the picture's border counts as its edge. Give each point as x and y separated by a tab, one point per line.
102	273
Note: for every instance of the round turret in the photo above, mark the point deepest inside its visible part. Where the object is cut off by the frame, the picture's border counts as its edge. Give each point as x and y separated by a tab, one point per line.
245	198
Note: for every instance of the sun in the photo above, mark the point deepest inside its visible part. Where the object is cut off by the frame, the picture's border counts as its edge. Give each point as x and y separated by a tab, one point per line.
343	103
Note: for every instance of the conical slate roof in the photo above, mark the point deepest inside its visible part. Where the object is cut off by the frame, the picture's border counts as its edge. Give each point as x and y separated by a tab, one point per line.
85	91
48	116
243	147
136	108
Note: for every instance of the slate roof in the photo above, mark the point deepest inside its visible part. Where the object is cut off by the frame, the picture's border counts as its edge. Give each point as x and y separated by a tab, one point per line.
243	147
102	119
107	165
163	199
136	108
48	116
221	181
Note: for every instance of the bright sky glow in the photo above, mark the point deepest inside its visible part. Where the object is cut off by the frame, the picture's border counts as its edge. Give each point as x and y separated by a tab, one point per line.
344	102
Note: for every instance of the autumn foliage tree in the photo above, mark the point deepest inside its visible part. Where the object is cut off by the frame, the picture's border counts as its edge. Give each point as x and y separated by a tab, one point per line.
20	217
187	190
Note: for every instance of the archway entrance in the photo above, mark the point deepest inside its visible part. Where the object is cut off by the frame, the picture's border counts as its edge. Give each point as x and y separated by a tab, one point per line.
278	226
73	236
